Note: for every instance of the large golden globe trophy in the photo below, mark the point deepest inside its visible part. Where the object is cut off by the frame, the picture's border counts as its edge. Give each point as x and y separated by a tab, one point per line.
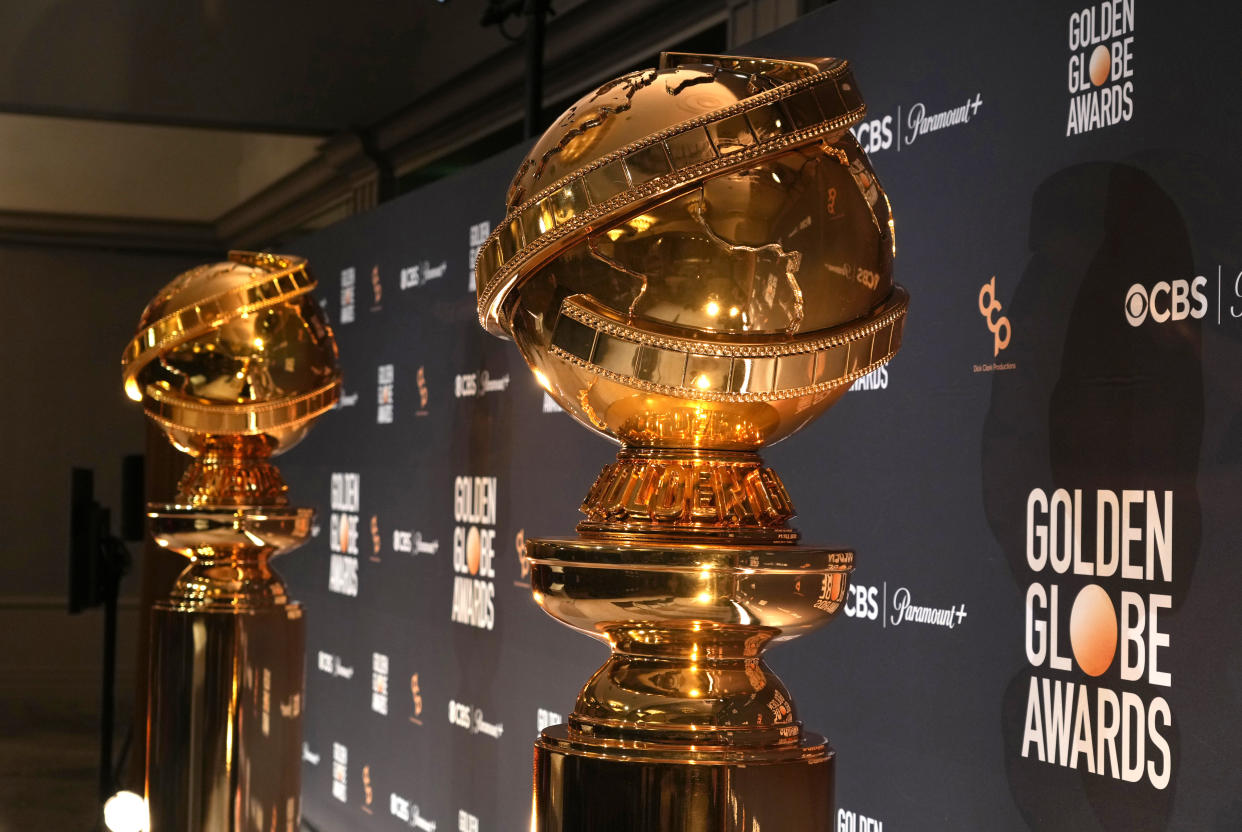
234	361
696	262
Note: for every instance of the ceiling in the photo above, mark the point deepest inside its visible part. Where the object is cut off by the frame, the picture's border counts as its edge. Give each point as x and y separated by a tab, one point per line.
272	65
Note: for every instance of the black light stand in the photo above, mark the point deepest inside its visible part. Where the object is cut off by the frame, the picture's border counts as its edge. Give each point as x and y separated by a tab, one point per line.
98	560
536	13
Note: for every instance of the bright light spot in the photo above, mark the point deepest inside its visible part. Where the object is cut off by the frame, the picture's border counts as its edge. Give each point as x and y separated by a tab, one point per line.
694	692
702	382
133	390
126	812
543	380
258	343
713	308
615	234
733	310
642	222
705	597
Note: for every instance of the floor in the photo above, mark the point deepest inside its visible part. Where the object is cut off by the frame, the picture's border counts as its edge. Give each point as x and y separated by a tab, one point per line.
49	769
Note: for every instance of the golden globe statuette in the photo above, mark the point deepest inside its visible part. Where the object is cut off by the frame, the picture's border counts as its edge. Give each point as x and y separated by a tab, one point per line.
696	262
234	361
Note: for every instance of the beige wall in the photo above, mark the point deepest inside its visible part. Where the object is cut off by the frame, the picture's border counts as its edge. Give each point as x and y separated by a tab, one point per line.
65	316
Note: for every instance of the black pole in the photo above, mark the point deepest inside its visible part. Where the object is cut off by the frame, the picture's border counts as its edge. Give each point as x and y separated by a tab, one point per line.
537	14
110	581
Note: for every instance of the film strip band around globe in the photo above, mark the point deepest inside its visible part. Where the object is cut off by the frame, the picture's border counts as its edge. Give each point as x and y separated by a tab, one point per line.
813	99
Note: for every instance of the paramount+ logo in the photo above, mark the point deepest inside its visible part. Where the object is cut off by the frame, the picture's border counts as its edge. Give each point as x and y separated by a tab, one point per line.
1167	300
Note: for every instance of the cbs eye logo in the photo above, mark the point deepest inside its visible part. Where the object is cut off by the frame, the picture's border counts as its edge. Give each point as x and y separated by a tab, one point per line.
1168	300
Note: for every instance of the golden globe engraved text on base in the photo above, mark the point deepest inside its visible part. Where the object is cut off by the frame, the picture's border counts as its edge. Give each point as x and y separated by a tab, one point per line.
234	361
696	262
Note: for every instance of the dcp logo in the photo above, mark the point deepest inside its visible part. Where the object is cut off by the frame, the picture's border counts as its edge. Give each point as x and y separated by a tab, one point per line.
999	327
1168	300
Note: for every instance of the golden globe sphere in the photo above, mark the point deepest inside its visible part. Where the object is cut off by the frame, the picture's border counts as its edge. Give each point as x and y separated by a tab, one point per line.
235	349
699	255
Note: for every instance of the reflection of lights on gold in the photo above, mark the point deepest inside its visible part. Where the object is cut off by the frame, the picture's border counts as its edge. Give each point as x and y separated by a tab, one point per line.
132	390
702	382
538	597
694	692
126	811
642	222
713	308
705	597
543	380
733	310
615	234
258	343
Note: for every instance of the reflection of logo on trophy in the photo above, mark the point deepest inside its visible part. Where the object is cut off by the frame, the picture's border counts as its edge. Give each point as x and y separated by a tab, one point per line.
417	696
366	788
696	262
375	538
519	543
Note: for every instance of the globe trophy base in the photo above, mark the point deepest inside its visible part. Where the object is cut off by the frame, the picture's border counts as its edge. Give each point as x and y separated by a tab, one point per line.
577	788
684	728
224	724
225	719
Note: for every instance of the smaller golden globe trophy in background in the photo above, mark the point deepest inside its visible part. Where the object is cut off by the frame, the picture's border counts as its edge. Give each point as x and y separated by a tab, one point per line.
696	262
234	361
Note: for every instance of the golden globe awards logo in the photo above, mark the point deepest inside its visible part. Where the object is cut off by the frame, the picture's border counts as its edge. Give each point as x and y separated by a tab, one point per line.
343	534
379	683
340	772
478	236
474	551
877	379
386	384
1075	717
1101	66
349	280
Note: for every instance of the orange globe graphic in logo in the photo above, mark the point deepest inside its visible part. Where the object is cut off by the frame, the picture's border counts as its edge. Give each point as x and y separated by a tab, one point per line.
472	551
1093	630
1101	65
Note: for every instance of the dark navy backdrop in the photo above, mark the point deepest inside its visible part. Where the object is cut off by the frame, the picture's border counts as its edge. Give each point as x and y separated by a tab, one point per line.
942	470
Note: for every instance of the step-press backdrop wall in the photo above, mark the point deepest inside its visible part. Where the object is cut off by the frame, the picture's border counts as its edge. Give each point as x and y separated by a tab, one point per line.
1061	434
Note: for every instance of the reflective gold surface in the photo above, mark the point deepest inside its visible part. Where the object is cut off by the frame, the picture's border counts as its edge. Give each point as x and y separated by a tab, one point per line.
696	262
234	361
